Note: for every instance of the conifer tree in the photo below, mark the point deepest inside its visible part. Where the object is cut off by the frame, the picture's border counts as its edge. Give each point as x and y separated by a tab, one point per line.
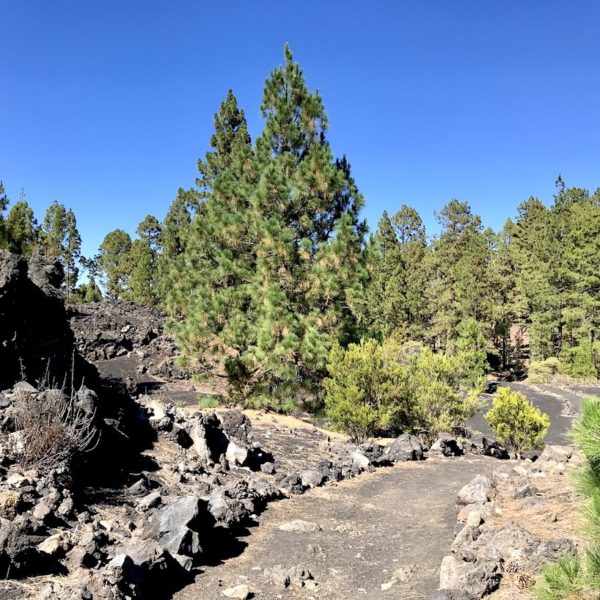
3	205
272	268
398	283
60	239
173	236
213	258
309	255
459	264
140	263
112	262
21	228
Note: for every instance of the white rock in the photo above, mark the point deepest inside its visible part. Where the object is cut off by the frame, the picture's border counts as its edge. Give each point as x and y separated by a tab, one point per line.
239	592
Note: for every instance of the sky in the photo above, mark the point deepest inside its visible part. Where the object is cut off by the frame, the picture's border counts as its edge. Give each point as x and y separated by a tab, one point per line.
107	105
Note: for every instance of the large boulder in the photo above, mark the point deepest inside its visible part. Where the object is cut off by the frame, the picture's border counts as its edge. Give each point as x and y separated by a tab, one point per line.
476	492
404	448
477	578
179	526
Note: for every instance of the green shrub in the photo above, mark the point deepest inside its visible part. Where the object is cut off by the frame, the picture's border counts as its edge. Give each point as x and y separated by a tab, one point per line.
444	392
387	388
209	401
516	423
578	362
542	371
362	392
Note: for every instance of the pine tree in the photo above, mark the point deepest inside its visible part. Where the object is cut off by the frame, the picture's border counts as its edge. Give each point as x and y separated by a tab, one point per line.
60	239
212	273
531	249
21	228
3	205
309	256
399	279
172	239
112	262
272	269
459	264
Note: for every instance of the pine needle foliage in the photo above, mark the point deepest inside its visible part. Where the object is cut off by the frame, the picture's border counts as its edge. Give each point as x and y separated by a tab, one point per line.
273	266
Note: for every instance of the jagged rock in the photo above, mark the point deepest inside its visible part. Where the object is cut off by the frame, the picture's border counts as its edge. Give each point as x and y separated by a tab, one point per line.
517	545
235	454
283	577
487	447
474	519
236	426
312	478
360	460
477	578
522	492
19	554
177	525
446	445
290	483
235	503
59	543
374	452
41	511
268	467
208	438
80	556
404	448
475	492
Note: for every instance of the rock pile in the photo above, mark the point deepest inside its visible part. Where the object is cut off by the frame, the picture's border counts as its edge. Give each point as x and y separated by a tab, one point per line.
118	329
484	551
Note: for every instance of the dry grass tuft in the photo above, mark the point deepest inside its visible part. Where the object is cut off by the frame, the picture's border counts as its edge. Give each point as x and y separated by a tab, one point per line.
51	428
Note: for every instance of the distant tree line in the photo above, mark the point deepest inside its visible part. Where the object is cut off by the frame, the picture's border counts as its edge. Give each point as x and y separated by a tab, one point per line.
265	267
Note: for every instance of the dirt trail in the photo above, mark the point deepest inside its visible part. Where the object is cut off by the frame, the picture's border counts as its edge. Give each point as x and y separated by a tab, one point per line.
390	528
399	518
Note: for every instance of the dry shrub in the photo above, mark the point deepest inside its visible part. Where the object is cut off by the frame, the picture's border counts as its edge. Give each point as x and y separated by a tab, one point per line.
52	428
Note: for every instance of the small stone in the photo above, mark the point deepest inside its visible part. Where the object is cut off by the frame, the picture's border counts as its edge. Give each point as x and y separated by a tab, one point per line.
150	501
474	519
41	511
524	492
59	542
24	388
66	507
360	460
477	491
387	586
268	468
239	592
17	480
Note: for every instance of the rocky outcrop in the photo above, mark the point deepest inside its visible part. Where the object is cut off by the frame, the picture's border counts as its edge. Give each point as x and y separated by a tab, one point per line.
35	339
484	550
115	328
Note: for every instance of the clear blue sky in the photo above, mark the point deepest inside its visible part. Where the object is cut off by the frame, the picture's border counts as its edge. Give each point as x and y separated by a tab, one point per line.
107	105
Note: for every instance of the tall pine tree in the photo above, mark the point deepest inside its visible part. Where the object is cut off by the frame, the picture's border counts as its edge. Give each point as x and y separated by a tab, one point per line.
272	268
